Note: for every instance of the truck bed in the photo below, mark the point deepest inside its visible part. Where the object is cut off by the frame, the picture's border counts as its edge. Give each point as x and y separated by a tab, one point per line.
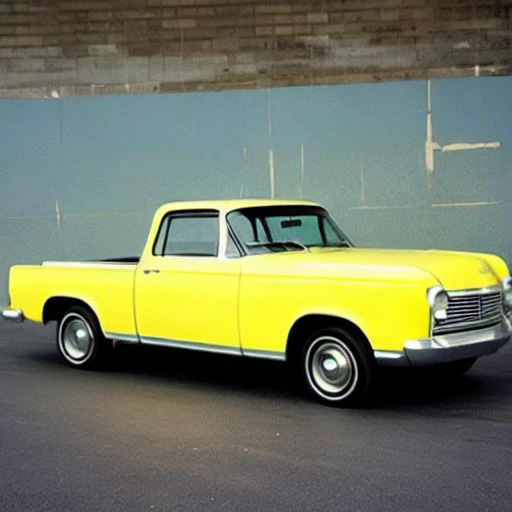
105	286
126	259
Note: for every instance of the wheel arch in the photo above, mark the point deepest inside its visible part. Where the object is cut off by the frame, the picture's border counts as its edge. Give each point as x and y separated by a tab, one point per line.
55	308
307	324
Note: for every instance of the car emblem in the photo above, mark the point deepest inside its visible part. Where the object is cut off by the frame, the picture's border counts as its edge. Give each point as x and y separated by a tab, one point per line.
485	269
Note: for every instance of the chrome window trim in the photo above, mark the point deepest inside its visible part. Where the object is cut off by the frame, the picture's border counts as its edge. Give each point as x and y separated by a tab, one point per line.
229	232
202	213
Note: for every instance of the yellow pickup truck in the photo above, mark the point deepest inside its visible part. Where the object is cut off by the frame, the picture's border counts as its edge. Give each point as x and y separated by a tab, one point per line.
277	280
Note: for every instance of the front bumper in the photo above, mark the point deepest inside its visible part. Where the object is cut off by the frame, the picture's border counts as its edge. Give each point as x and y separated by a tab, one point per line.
13	315
448	347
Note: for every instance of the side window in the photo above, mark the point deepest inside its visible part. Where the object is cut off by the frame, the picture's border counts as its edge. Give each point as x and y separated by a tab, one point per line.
189	235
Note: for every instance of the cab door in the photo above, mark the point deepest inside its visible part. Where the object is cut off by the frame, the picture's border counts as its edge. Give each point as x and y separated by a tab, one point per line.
185	293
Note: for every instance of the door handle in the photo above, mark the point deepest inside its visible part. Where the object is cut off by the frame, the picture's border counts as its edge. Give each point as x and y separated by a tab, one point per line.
151	271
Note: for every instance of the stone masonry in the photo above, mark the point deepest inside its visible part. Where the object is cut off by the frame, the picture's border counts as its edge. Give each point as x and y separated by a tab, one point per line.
55	48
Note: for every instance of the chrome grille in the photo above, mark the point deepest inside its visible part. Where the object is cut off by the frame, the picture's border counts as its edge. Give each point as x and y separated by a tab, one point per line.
471	310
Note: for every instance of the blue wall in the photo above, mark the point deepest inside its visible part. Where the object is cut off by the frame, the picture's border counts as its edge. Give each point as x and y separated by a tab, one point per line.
110	161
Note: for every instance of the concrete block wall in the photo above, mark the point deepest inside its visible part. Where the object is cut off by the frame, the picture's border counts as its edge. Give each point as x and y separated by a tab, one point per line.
54	48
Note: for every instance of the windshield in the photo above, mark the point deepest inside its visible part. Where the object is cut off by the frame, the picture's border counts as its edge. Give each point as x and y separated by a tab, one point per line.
285	228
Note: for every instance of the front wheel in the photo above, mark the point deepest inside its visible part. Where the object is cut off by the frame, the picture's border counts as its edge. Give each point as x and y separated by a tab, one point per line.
338	368
80	340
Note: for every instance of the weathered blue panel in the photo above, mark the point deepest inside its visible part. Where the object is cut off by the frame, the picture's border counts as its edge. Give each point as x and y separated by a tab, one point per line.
81	177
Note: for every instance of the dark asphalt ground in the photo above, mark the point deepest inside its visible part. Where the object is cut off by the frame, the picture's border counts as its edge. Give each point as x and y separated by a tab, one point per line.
181	431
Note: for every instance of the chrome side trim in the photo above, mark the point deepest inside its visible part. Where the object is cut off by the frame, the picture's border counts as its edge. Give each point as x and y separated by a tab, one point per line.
265	354
390	358
127	338
204	347
13	315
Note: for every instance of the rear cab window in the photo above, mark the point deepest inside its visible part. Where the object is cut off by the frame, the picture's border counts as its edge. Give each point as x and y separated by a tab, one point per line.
188	233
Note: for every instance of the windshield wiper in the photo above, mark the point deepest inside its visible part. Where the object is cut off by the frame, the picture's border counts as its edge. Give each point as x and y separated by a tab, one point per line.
281	243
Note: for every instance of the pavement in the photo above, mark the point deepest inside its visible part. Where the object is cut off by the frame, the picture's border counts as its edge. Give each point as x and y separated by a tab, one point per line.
181	431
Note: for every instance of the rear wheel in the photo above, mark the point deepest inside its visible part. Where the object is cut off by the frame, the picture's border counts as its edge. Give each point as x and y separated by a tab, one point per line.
80	340
337	367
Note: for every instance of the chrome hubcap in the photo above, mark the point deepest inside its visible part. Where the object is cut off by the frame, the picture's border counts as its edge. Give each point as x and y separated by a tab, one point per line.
331	368
77	338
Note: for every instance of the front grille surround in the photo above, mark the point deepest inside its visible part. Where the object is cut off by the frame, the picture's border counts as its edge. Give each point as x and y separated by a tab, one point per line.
471	309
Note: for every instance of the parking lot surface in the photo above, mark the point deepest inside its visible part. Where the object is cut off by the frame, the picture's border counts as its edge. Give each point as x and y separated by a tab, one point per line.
182	431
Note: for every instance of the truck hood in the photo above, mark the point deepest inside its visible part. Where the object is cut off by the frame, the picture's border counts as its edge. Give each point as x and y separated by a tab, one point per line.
453	270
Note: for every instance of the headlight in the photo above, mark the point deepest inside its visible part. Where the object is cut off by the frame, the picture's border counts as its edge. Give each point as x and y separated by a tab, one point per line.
506	284
438	301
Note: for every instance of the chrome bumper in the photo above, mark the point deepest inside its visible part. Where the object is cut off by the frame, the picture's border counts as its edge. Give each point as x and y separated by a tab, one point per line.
448	347
13	315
